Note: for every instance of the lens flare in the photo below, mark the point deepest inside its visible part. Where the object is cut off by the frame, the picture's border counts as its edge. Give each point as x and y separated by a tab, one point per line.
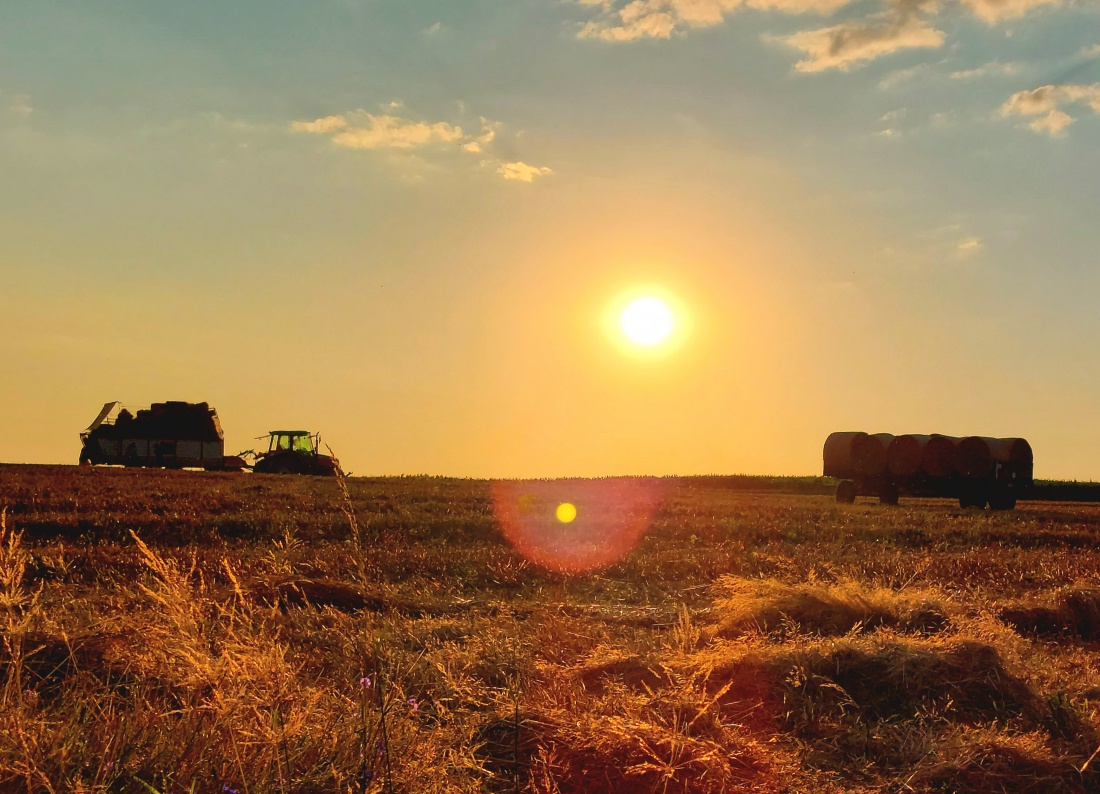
566	512
575	526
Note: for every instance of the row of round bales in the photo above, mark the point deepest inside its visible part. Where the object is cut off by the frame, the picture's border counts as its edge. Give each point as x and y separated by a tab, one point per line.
867	456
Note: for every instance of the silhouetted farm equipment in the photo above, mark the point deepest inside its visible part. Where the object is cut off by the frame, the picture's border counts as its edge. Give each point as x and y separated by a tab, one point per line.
977	470
178	435
294	452
171	435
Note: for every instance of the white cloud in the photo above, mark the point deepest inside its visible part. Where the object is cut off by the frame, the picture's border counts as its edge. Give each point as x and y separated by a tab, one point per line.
1053	123
385	131
897	25
991	69
799	6
969	245
489	130
1047	104
993	11
660	19
522	172
363	130
321	125
851	43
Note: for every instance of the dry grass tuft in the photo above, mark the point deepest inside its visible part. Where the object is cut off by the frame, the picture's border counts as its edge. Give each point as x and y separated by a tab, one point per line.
746	686
323	593
1007	766
50	660
505	747
1076	613
772	607
962	681
607	665
621	755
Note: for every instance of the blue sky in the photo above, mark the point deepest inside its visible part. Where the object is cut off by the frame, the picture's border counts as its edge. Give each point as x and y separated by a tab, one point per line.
399	223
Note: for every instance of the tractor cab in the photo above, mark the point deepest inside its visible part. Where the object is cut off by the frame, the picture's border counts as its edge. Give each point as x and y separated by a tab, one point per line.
294	452
293	441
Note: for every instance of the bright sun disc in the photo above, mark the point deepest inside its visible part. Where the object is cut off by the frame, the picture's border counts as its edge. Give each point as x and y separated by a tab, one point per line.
646	321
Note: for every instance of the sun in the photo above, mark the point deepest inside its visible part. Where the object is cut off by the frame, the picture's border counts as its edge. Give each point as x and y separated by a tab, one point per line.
647	321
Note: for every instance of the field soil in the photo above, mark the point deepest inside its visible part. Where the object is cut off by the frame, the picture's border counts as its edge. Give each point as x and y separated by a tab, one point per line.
170	631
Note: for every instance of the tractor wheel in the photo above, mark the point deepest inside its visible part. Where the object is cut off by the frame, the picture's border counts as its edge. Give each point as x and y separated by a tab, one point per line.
282	467
888	494
846	492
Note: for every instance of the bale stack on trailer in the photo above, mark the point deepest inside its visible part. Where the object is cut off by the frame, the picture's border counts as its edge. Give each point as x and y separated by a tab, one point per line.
839	455
976	469
938	460
170	435
858	460
993	470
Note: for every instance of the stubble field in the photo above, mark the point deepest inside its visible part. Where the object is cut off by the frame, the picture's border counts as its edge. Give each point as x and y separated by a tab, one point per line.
178	632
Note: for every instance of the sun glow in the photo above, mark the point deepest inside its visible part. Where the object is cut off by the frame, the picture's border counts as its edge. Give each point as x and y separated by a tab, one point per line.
647	321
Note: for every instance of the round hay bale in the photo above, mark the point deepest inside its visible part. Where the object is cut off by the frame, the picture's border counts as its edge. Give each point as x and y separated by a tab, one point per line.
1014	454
974	457
904	455
938	457
838	454
869	454
1015	451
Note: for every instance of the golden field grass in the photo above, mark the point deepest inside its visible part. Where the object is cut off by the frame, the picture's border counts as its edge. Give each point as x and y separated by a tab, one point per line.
178	632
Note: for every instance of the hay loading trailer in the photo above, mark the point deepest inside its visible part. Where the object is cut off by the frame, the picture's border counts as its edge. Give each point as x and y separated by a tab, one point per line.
977	470
172	435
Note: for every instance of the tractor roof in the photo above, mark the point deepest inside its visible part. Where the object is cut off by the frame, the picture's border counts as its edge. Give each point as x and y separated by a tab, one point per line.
290	433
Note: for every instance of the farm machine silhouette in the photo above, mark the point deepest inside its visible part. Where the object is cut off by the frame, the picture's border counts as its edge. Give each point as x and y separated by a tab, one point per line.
977	470
179	435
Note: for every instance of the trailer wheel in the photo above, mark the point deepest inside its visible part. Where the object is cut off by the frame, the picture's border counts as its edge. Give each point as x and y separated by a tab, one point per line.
846	492
1006	501
972	499
888	494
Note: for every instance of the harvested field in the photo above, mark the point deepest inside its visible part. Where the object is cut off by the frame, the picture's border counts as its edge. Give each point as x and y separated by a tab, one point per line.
177	632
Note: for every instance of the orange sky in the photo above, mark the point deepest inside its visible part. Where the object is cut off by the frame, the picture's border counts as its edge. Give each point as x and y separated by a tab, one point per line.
403	226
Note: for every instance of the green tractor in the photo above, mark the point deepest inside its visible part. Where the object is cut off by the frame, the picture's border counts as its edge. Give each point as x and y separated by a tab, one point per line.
294	452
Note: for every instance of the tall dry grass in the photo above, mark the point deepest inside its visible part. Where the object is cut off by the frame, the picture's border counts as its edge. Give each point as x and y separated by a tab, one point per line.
174	632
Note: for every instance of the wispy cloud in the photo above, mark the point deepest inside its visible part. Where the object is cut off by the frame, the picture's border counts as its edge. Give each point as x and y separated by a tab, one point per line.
991	69
1048	103
895	26
660	19
969	246
321	125
522	172
361	129
856	41
18	105
993	11
900	76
